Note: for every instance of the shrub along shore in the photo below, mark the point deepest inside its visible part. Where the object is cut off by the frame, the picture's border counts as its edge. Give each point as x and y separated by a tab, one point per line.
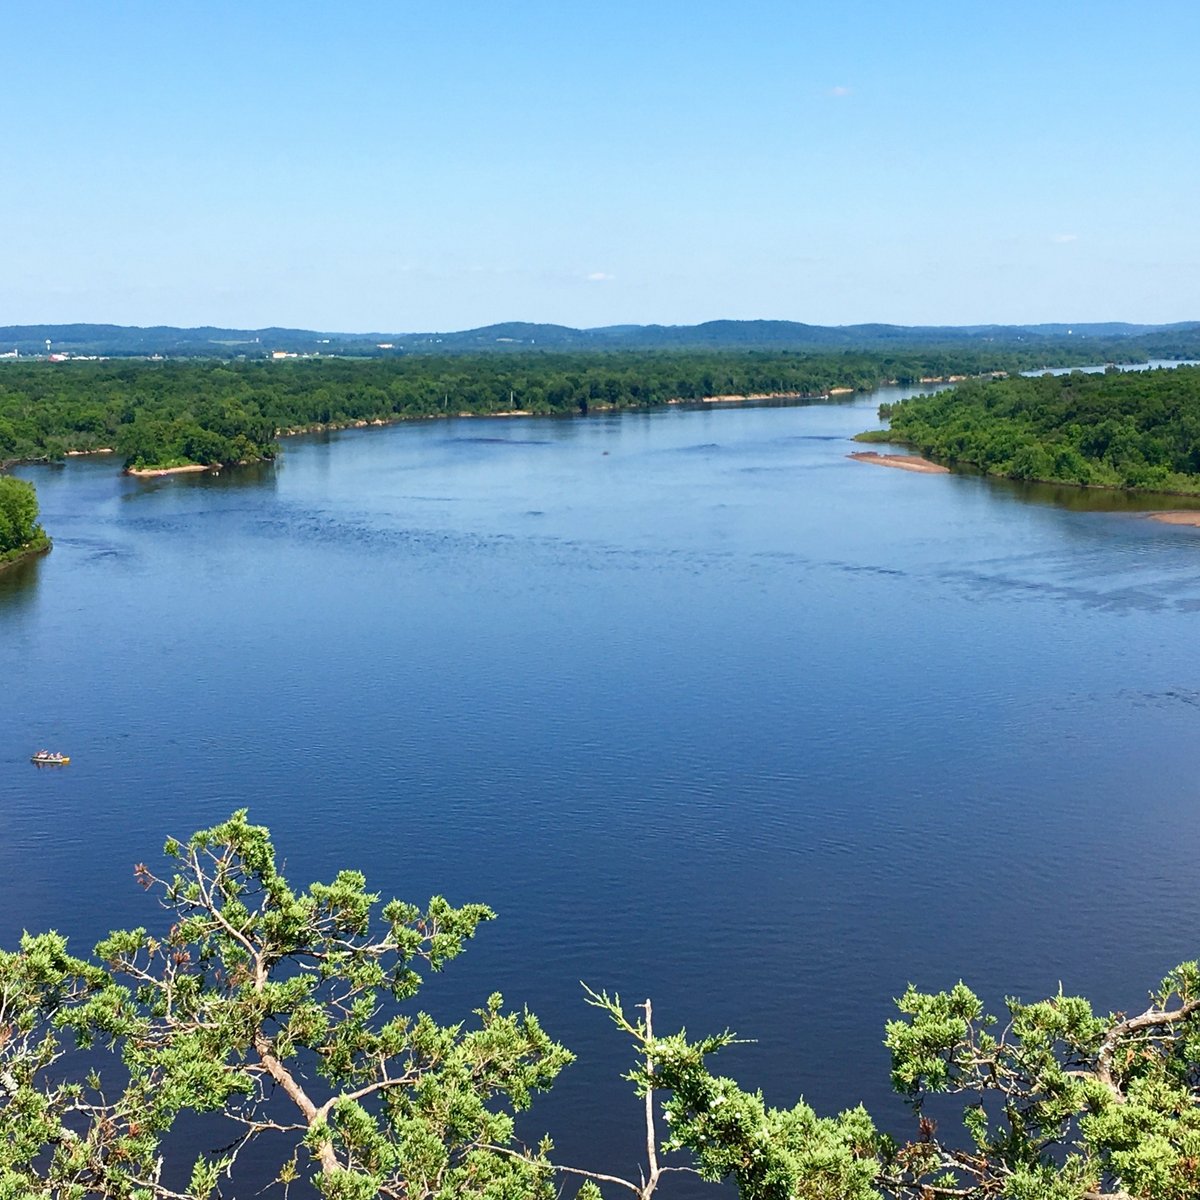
21	536
39	545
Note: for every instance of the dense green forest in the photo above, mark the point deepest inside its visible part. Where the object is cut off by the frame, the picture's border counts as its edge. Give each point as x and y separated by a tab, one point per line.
1137	429
20	533
172	413
162	414
1127	430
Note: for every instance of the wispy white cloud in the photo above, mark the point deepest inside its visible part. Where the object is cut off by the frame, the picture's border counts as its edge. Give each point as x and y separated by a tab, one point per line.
840	91
1061	239
599	277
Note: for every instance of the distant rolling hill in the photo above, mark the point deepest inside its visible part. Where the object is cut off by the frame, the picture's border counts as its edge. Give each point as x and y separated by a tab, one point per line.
1178	339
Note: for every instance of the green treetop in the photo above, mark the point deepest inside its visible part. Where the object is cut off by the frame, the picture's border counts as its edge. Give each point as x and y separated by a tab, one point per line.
19	528
288	1015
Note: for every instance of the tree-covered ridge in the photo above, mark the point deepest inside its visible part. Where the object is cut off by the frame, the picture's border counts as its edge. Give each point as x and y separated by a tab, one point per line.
172	413
287	1016
20	533
1061	343
1136	429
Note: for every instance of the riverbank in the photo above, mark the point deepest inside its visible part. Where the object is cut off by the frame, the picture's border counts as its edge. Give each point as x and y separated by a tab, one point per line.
34	549
970	468
927	466
904	462
1121	430
749	396
404	418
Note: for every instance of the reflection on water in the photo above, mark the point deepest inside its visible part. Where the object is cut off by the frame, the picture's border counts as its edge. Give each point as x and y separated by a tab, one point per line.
1081	499
18	583
253	476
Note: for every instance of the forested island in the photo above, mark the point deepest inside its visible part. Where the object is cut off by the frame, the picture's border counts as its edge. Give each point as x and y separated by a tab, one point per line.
179	413
1137	430
1117	429
20	534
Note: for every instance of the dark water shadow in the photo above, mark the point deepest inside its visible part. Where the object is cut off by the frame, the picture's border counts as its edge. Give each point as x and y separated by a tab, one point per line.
19	582
252	475
1084	499
767	402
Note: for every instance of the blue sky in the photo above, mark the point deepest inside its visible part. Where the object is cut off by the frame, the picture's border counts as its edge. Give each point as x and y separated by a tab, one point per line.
411	166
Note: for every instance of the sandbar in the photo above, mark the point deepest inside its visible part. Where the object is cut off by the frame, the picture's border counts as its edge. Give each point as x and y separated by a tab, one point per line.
906	462
1177	517
155	472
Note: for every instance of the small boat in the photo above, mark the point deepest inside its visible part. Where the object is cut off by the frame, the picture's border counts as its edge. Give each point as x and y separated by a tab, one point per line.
47	758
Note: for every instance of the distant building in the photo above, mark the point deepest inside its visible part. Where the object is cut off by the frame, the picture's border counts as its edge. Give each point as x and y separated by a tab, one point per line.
284	354
385	346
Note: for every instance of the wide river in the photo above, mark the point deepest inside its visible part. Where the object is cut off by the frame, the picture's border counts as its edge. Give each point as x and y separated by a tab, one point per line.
704	709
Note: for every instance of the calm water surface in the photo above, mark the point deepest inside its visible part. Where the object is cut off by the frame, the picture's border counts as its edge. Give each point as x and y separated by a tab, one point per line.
704	709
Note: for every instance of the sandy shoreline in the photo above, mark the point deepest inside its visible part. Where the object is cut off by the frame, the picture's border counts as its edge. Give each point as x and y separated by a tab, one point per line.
508	412
155	472
1183	516
750	396
905	462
